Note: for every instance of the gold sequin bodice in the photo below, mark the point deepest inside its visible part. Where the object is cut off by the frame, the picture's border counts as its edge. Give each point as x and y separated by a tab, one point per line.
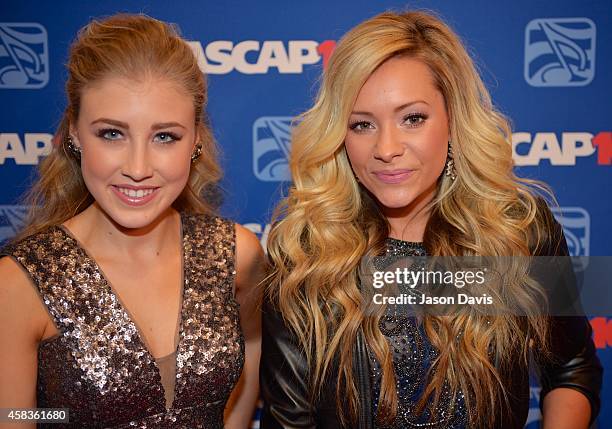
99	367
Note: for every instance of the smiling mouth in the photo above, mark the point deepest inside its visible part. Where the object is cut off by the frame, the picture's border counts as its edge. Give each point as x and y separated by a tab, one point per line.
134	196
136	193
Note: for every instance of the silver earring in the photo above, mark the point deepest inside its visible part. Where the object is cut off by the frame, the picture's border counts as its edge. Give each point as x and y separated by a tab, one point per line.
76	151
196	153
449	168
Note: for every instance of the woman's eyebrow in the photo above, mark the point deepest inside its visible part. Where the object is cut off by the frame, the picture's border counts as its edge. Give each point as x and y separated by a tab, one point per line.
161	125
397	109
124	125
111	122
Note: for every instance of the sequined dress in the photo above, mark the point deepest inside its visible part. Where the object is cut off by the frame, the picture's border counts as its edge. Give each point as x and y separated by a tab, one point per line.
99	366
412	358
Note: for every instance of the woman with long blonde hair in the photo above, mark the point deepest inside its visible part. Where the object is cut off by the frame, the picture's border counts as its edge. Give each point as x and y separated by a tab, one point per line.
404	155
126	301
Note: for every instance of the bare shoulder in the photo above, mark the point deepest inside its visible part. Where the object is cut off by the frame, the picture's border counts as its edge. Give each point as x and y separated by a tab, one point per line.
250	258
23	320
20	306
248	247
13	280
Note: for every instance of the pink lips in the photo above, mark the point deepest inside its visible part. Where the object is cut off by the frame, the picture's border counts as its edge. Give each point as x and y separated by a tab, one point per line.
135	195
393	176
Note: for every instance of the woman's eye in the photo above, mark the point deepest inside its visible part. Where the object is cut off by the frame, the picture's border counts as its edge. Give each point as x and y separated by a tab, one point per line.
110	134
361	126
415	119
166	137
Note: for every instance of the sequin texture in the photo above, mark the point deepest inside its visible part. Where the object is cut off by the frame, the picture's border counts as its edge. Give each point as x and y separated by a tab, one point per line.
98	366
412	358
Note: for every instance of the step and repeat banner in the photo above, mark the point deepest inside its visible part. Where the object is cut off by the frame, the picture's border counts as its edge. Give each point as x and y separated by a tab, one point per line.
548	66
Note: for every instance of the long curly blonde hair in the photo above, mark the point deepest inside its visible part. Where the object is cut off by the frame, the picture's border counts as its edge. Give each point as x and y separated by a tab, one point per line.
327	223
133	47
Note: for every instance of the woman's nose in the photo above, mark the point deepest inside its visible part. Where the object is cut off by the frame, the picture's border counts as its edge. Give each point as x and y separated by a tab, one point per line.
137	165
389	144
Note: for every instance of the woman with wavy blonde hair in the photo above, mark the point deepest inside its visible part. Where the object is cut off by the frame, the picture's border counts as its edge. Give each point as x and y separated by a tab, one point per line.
126	301
403	154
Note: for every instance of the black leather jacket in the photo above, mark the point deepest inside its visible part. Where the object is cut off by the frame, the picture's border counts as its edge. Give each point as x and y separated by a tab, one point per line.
284	375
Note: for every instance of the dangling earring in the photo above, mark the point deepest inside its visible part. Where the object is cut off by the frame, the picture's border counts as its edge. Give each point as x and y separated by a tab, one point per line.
449	169
197	152
76	151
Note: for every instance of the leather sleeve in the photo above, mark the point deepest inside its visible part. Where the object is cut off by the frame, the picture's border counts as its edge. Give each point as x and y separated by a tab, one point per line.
283	376
574	363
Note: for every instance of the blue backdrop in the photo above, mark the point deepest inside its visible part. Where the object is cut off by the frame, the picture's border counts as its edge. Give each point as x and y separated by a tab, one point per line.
548	66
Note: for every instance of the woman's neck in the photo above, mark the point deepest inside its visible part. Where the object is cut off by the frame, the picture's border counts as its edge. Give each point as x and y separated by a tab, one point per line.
100	234
408	223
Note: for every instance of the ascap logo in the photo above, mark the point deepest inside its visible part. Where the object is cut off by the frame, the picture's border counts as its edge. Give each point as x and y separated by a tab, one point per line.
576	224
11	220
24	55
255	57
26	152
530	149
560	52
271	145
602	332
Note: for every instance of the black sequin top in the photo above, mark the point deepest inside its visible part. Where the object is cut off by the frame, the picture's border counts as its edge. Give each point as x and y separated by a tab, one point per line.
413	355
99	366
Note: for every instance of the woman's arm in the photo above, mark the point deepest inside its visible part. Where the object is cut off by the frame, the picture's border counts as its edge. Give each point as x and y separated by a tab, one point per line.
283	376
565	408
22	324
249	273
571	378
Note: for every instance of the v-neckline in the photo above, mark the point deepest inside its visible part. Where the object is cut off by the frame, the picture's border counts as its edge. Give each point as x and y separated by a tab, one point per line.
139	333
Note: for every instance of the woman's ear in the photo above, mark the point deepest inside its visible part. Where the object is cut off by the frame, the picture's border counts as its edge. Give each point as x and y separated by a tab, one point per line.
198	138
72	133
196	151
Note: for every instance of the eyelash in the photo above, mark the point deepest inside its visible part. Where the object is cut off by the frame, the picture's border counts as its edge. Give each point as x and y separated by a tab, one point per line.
422	117
103	132
354	126
173	137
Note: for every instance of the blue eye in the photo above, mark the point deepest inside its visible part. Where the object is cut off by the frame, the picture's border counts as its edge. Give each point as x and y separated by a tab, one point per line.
166	137
361	126
110	134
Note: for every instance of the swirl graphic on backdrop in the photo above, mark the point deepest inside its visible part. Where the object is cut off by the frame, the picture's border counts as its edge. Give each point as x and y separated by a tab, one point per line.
11	220
560	52
576	223
271	145
24	57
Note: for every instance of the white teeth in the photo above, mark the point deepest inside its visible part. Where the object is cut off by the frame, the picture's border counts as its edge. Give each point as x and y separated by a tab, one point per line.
133	193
